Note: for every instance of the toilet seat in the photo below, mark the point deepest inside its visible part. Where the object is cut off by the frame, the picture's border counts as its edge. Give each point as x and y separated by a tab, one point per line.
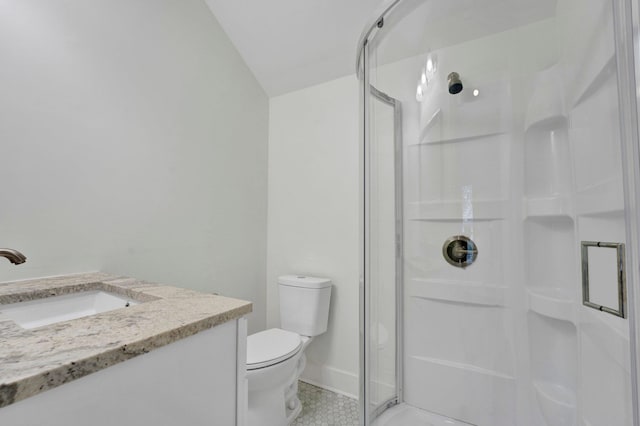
271	347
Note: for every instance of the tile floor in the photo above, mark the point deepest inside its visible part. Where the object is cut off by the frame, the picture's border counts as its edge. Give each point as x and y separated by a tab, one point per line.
324	408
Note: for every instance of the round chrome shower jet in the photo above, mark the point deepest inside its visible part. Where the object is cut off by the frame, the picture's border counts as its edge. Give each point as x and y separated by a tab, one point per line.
455	84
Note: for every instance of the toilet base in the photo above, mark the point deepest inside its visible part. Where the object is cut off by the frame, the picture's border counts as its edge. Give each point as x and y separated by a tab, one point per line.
273	393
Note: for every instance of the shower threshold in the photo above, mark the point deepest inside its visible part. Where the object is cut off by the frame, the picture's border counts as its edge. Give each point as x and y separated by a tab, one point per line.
407	415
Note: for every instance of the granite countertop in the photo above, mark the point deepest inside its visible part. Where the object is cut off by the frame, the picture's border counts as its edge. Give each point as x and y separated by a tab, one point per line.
32	361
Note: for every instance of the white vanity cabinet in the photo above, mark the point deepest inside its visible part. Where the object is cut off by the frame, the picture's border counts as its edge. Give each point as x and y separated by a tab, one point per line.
194	381
168	357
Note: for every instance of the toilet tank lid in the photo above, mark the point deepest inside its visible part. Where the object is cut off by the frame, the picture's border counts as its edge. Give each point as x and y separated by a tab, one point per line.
304	281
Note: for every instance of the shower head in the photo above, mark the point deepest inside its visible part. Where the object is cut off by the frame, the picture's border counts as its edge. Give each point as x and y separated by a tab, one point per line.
455	84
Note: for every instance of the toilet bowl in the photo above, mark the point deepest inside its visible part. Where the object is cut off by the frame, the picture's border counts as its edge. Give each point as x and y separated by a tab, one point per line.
275	357
274	364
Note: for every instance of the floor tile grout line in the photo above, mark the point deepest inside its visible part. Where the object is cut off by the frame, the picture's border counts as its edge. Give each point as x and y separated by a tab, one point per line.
321	407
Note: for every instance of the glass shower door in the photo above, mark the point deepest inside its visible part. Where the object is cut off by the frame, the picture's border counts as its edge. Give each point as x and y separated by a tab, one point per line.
384	248
519	244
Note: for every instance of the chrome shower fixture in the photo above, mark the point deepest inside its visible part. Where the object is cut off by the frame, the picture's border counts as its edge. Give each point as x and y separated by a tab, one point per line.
455	84
460	251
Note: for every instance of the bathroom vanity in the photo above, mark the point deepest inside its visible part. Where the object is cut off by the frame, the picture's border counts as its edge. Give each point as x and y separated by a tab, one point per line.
95	349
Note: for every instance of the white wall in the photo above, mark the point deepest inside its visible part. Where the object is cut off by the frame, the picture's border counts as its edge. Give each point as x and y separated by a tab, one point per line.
134	142
313	216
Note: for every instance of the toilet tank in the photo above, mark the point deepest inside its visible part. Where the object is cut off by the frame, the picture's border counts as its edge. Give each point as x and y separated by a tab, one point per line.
304	304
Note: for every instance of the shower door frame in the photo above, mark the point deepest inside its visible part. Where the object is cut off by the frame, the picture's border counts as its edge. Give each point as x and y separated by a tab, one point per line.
626	17
365	319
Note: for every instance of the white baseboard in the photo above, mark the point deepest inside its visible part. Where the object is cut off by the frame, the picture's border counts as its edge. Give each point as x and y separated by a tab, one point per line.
332	379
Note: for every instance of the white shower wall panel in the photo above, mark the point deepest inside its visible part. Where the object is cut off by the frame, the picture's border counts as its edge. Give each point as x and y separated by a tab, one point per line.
423	247
595	136
459	333
551	254
465	116
481	397
527	169
547	152
553	358
472	337
598	372
585	35
474	168
461	341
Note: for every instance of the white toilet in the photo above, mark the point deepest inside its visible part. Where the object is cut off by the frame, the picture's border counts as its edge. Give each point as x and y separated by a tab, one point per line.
275	357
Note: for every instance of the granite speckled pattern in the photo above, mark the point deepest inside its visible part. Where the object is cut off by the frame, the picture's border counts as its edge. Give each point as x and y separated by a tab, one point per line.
32	361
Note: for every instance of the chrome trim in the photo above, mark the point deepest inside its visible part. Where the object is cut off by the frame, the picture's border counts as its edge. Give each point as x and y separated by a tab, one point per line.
369	28
399	195
626	17
459	251
384	406
399	241
620	278
364	276
14	256
384	98
366	416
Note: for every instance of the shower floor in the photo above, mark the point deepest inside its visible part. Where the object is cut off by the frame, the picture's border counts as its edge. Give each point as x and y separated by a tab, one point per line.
406	415
321	407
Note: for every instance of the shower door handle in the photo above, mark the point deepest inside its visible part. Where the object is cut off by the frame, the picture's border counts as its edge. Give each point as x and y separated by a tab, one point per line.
620	278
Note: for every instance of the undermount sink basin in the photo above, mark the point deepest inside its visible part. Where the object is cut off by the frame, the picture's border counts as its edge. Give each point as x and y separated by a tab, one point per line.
50	310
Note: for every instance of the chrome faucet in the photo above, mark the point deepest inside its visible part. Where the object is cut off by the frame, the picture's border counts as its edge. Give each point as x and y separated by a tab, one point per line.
14	256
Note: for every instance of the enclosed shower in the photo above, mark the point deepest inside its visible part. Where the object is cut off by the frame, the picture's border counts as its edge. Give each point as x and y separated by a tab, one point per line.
499	159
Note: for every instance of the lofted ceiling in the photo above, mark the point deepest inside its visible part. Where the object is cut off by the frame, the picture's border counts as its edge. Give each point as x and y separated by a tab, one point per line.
292	44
